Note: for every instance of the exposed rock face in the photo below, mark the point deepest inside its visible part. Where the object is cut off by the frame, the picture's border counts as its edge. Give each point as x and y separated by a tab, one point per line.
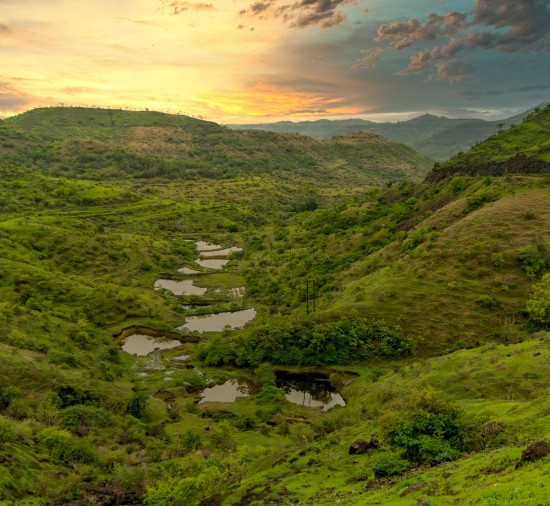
518	164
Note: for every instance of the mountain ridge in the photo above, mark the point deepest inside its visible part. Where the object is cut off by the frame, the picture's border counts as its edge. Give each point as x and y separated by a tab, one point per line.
439	138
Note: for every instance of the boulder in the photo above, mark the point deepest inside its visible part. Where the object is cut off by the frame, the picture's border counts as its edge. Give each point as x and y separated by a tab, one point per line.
360	446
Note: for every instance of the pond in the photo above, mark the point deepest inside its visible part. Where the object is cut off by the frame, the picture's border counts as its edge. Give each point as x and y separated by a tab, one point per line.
141	344
188	271
213	263
217	322
226	392
308	390
206	246
185	287
220	253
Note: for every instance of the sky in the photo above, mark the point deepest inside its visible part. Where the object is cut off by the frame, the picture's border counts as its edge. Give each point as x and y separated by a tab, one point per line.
245	61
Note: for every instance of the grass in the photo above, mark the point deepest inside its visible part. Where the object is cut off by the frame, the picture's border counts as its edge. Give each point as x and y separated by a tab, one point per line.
78	260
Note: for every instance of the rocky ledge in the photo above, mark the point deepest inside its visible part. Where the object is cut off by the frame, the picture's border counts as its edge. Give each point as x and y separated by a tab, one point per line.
518	164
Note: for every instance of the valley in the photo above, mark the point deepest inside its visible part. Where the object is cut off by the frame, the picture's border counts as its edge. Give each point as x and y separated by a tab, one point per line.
195	315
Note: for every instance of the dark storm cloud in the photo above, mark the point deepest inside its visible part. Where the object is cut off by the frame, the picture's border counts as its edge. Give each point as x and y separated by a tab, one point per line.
301	14
518	26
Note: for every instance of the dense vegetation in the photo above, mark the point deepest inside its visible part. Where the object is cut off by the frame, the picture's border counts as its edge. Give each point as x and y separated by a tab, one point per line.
424	305
307	343
105	144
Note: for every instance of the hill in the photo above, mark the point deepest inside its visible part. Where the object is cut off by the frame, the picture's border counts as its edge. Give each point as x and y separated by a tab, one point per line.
413	308
105	143
521	149
437	137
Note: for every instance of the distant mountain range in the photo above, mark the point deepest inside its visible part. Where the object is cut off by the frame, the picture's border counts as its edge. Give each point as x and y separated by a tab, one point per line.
437	137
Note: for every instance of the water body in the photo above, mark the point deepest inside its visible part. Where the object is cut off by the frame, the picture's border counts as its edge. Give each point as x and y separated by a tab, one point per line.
308	390
303	398
206	246
226	392
213	263
185	287
141	344
221	253
217	322
187	270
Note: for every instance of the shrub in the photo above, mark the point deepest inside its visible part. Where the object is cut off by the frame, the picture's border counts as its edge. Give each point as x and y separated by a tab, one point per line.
80	419
63	448
7	433
390	464
137	405
532	259
538	305
431	429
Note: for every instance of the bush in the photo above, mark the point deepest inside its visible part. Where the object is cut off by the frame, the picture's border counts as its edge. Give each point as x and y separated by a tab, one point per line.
80	419
431	429
63	448
532	259
390	464
7	433
538	305
137	405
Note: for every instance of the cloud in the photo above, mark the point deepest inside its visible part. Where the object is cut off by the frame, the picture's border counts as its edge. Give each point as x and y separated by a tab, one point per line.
518	26
368	61
11	99
477	94
177	6
450	70
302	13
405	34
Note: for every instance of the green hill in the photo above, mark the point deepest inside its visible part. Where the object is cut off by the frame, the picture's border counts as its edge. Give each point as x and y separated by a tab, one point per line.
105	143
521	149
424	309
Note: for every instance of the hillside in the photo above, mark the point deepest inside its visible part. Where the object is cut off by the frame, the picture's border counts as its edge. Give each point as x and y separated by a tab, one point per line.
106	143
415	310
522	149
437	137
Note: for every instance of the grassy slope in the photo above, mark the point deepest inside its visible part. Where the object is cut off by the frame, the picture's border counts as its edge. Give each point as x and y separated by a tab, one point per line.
507	384
112	143
78	260
529	137
443	264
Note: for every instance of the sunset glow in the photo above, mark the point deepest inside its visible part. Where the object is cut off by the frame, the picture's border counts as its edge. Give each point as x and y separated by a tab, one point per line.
237	60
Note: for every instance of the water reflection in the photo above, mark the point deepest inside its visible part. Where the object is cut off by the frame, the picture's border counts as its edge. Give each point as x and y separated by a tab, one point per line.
222	252
309	391
142	345
185	287
213	263
226	392
187	270
206	246
217	322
